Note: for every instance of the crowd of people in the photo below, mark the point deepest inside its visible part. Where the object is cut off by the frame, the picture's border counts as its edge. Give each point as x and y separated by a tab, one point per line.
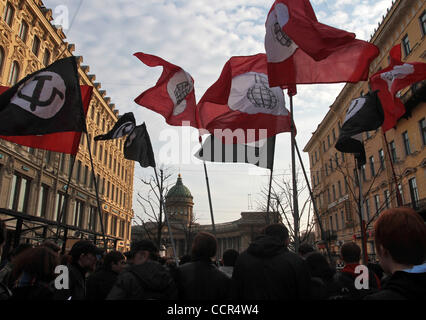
267	270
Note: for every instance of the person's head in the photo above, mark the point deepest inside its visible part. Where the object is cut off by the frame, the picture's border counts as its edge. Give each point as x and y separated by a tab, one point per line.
204	246
20	249
279	232
39	263
318	265
114	261
49	244
2	235
143	251
230	257
84	253
129	257
305	248
400	238
350	253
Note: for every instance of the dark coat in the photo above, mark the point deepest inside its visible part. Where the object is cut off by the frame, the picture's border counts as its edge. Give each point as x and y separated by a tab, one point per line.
402	286
100	283
268	271
148	281
202	280
36	292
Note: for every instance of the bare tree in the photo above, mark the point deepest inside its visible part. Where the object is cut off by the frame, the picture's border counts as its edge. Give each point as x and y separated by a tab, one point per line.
152	218
282	202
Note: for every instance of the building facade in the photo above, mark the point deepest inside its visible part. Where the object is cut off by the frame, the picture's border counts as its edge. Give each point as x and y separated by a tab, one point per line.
235	235
399	155
34	182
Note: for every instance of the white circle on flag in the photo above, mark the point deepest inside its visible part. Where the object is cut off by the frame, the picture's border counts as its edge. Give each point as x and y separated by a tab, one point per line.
178	88
43	95
250	93
278	45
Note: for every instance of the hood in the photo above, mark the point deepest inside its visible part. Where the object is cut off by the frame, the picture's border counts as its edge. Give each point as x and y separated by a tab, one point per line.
266	246
154	276
410	285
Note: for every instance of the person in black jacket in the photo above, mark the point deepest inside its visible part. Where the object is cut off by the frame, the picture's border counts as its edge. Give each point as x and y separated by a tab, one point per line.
146	279
400	240
267	270
200	279
100	283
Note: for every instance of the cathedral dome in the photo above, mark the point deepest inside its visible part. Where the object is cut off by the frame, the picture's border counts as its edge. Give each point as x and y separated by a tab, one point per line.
179	190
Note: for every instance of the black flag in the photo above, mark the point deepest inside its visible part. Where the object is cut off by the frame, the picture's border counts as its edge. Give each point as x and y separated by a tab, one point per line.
122	127
259	153
138	147
46	101
364	114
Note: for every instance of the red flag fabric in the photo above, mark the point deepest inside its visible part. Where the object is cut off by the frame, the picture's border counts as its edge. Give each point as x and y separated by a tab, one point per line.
242	99
301	50
389	81
65	142
173	96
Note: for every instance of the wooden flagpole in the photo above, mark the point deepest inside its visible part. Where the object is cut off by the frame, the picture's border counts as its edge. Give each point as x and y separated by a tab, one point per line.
313	202
293	167
163	207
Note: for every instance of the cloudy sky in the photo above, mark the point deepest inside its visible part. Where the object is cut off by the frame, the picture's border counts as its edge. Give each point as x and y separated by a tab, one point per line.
199	36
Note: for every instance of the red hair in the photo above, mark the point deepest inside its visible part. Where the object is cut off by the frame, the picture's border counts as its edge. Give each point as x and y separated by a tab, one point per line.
403	233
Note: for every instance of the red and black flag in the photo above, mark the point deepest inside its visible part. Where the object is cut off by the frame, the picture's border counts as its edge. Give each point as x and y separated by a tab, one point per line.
364	114
125	125
138	147
64	142
46	101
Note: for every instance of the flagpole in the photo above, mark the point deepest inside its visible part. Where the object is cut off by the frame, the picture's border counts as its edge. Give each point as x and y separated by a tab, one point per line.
160	187
361	215
293	165
313	202
398	194
96	190
270	185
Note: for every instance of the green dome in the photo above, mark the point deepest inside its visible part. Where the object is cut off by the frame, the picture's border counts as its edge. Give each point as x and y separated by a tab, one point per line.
179	190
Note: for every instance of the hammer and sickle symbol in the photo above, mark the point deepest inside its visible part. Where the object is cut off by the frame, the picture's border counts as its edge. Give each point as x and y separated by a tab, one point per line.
35	98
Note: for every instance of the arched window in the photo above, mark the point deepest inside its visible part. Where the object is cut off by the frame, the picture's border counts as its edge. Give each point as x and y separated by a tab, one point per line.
23	31
14	73
9	12
1	59
36	45
46	58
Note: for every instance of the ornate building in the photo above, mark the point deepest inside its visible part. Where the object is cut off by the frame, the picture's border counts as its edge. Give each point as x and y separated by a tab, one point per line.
179	203
33	182
404	149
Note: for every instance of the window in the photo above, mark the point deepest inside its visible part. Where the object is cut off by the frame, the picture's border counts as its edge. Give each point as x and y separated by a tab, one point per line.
92	223
339	186
377	203
121	234
46	57
23	31
392	148
331	223
401	193
63	160
334	135
14	73
95	148
115	165
336	158
8	14
108	189
406	143
423	22
363	173
114	226
372	170
414	193
101	151
86	171
78	213
1	59
42	201
334	192
18	200
60	205
328	140
387	198
103	124
422	125
78	175
105	222
406	45
36	46
382	158
331	165
316	156
342	216
48	157
328	195
105	158
346	185
323	146
326	169
110	161
367	208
